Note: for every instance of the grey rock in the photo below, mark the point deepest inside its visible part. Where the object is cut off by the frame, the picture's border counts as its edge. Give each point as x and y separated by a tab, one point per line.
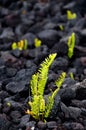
17	53
15	116
83	32
81	90
56	107
49	37
0	106
74	112
59	64
10	72
50	25
25	74
14	104
3	94
74	126
67	94
39	52
30	38
15	87
24	120
65	110
4	123
51	124
2	70
7	34
41	125
69	82
79	103
29	64
30	124
6	56
69	6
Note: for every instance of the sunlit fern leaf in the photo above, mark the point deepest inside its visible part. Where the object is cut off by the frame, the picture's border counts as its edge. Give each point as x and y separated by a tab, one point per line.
35	107
33	84
43	73
48	106
25	44
60	80
71	45
37	84
50	102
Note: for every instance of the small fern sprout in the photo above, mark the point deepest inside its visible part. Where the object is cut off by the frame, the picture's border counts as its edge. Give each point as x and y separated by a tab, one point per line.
71	45
21	45
50	101
37	84
37	42
71	75
14	46
61	27
70	15
60	80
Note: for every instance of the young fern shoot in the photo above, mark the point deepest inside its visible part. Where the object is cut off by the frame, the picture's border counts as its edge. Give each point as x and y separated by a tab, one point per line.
50	103
71	45
39	108
38	84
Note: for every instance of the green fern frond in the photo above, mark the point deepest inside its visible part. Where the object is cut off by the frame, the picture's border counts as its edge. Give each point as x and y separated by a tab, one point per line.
37	84
60	80
34	84
71	45
50	102
43	73
35	107
48	106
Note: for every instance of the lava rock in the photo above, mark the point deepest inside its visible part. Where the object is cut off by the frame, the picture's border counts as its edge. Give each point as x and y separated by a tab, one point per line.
30	124
7	34
17	53
59	64
4	122
15	87
16	114
41	125
74	126
3	94
67	94
24	120
75	112
10	72
25	74
81	90
51	124
49	37
30	37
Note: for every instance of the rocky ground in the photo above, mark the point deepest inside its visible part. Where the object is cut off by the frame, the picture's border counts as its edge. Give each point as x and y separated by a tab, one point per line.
30	19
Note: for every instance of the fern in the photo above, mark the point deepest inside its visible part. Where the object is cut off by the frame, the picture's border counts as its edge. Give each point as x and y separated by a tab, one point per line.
34	84
50	102
71	45
70	15
43	73
39	108
38	84
60	80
